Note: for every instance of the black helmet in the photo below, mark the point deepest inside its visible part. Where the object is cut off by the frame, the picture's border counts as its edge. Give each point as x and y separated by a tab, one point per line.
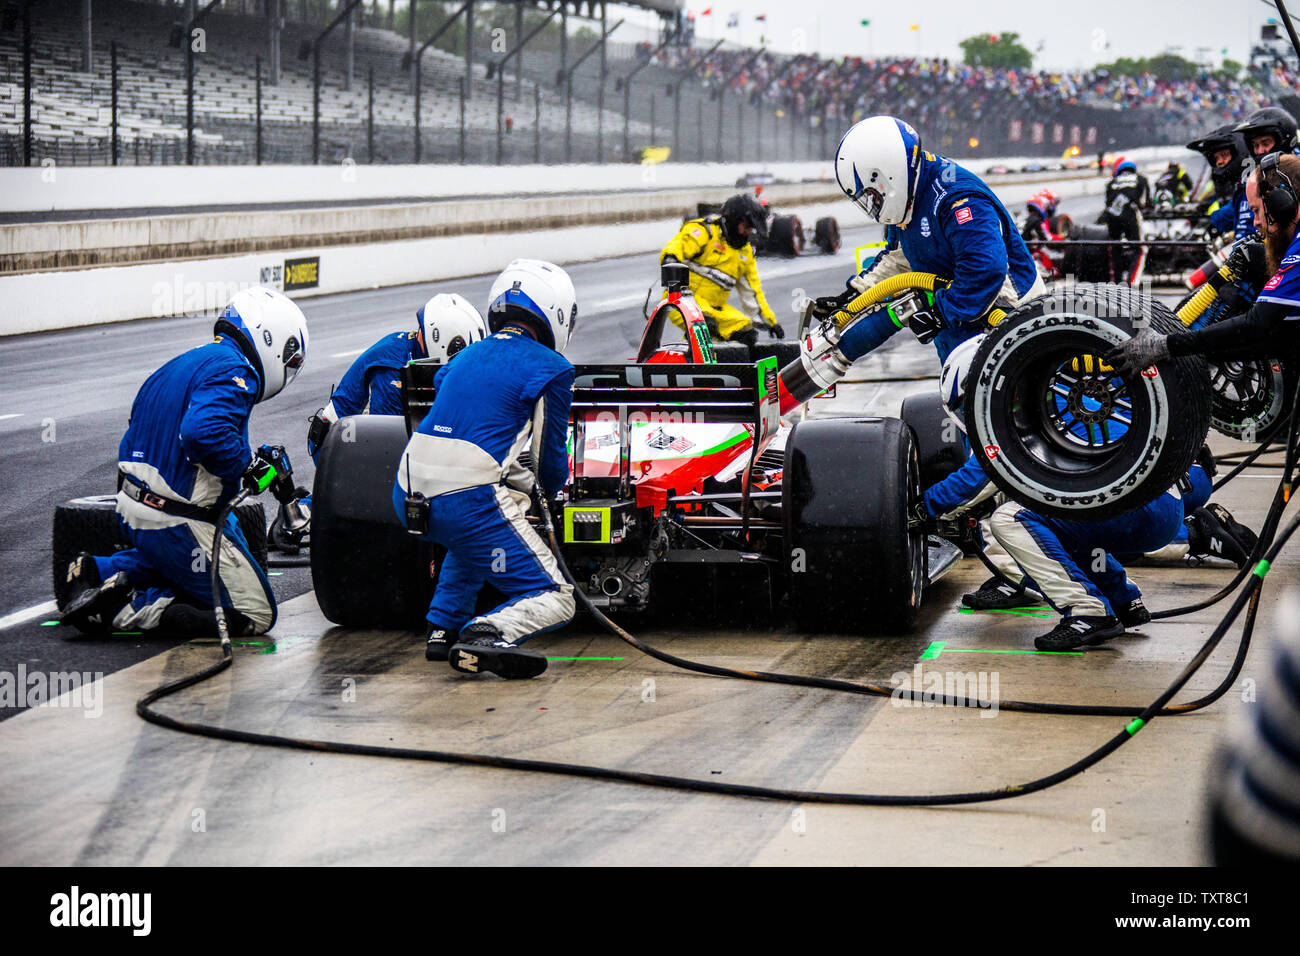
1270	121
742	208
1225	137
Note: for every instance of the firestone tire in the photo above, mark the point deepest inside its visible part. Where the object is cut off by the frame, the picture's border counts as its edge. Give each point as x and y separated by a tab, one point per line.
367	571
90	524
1063	437
855	563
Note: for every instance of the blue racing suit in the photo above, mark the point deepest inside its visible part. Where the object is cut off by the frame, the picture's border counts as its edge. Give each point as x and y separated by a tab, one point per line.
959	231
1234	216
187	445
373	382
1072	563
497	398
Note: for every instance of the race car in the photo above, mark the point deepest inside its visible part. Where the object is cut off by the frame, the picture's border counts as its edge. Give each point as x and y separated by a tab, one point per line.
687	495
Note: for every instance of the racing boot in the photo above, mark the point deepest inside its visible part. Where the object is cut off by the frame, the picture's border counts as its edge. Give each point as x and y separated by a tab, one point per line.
1083	631
437	643
1213	532
481	647
996	594
1133	614
94	602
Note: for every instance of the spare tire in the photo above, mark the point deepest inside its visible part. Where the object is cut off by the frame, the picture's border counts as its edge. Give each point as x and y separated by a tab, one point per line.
1058	431
856	563
826	235
731	353
940	448
367	571
90	524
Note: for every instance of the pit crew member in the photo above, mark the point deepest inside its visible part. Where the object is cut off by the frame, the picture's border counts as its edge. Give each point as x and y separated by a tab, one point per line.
939	218
460	481
717	251
184	456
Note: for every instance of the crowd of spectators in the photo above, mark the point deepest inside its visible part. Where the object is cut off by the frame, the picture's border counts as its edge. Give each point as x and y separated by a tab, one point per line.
930	90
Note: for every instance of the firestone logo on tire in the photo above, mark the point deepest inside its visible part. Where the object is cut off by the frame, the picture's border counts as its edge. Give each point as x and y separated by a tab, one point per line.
1150	372
991	451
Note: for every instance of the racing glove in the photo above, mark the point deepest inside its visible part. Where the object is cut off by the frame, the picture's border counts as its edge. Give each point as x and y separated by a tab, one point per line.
919	311
920	519
1141	351
776	331
827	305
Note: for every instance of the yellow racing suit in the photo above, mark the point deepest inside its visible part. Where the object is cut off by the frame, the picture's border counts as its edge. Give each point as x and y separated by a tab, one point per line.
716	268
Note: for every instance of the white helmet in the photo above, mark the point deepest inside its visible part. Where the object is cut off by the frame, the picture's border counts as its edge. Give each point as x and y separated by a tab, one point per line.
876	164
539	293
954	377
271	332
449	323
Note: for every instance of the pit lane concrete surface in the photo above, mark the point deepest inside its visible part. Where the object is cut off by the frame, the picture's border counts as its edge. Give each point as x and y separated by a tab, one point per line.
85	781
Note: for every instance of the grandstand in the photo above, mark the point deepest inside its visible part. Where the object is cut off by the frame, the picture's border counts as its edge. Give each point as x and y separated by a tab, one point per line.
731	104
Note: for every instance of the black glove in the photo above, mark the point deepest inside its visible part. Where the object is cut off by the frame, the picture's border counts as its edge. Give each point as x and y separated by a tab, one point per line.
1140	352
919	311
1205	458
776	331
921	520
827	305
270	468
1231	297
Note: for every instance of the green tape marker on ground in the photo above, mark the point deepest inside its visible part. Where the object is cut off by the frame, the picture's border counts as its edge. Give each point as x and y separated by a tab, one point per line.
584	658
941	647
1023	612
49	623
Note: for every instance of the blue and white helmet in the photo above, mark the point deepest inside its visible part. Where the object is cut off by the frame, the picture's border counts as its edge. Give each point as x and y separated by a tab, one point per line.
271	332
877	164
538	293
954	377
449	323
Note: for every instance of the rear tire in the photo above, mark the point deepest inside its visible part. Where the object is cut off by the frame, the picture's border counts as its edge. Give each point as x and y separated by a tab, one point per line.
855	564
785	238
367	571
826	235
90	524
1063	438
939	447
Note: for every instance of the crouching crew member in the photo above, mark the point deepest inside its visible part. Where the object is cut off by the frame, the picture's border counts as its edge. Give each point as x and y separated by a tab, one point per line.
184	456
461	472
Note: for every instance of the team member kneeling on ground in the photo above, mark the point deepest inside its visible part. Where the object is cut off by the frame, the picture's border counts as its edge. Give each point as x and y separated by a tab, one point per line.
184	456
1097	603
509	393
717	251
445	324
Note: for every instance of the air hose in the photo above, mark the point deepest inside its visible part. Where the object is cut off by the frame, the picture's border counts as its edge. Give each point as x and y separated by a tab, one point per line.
1249	598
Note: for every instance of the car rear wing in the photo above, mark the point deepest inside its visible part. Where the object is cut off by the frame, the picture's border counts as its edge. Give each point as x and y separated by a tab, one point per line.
633	394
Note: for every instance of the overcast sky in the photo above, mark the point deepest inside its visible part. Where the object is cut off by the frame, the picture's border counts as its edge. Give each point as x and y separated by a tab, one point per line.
1072	35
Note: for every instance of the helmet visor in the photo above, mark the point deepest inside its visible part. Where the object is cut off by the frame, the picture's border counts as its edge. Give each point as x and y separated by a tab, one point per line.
870	200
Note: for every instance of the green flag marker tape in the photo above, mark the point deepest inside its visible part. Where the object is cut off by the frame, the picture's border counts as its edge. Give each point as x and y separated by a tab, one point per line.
1137	724
584	658
1261	569
49	623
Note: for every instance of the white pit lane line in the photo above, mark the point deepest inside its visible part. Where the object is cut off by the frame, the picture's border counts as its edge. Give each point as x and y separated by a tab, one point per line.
5	418
29	614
